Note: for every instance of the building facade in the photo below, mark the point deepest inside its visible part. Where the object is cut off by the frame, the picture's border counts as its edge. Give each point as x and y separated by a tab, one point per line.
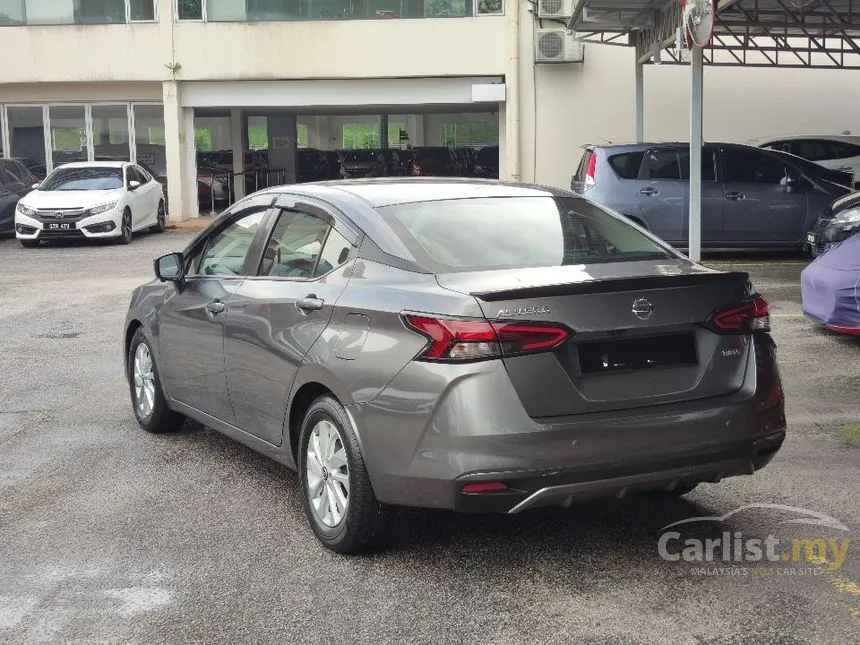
160	81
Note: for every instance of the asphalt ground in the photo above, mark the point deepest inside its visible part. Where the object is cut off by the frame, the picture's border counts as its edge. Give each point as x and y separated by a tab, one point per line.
110	535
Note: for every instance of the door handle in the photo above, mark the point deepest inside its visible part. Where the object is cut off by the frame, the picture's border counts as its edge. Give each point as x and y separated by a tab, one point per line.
735	196
310	303
650	192
215	307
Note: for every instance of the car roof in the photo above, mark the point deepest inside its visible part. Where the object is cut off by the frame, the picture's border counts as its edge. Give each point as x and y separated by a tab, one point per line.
377	193
844	138
94	164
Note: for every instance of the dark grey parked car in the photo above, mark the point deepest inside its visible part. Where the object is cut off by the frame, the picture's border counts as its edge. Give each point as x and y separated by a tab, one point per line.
751	198
15	182
456	344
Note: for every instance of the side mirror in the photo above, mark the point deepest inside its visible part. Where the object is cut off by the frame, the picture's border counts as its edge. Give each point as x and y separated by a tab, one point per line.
133	184
789	182
169	268
36	185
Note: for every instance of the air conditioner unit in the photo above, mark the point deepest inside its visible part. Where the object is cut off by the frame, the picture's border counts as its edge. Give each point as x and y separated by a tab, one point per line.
557	46
554	8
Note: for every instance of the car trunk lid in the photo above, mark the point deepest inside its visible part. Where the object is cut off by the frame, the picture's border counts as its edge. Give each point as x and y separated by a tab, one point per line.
639	336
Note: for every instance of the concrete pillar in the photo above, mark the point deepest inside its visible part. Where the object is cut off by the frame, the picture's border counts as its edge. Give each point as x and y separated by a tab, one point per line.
238	145
180	155
282	144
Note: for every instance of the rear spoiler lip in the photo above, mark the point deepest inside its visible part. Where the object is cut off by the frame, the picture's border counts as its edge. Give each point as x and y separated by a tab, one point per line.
613	285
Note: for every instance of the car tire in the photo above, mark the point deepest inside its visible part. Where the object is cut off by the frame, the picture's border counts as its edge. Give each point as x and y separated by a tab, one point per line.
147	398
125	228
359	526
29	244
161	222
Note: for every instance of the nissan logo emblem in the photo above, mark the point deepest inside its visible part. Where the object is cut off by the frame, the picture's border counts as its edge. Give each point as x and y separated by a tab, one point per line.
643	309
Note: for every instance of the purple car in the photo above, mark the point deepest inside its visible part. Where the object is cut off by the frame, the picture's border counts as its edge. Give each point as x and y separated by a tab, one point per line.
831	288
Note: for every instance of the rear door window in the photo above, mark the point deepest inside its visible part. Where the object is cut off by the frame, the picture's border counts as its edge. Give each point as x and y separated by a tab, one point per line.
709	164
627	165
663	164
294	246
840	150
751	167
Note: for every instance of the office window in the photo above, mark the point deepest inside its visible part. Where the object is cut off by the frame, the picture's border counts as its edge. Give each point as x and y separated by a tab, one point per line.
149	138
68	134
27	137
490	7
96	12
189	9
11	12
226	10
301	135
50	12
141	10
110	133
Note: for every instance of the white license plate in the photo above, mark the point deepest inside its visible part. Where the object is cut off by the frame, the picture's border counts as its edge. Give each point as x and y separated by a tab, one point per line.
58	226
810	238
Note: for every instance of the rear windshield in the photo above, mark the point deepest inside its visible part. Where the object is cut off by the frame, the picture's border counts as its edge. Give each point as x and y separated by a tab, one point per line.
627	165
516	232
83	179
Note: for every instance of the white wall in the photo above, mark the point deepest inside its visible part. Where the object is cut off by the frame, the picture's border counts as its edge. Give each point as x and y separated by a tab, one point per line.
594	102
342	49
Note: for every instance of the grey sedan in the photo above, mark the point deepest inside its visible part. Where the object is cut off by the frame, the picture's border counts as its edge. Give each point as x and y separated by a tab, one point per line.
465	345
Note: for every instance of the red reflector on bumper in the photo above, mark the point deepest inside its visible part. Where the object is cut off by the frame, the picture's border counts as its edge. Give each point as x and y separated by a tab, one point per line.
484	487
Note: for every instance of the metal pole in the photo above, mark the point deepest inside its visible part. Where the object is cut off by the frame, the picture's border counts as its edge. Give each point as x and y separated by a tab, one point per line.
211	192
640	103
696	85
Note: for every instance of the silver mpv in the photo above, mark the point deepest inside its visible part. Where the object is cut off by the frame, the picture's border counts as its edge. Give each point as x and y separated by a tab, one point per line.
466	345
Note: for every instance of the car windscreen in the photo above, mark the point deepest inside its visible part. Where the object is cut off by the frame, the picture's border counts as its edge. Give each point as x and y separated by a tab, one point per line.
492	233
361	156
83	179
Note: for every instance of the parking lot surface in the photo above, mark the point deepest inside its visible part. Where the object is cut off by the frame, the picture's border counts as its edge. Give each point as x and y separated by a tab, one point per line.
111	535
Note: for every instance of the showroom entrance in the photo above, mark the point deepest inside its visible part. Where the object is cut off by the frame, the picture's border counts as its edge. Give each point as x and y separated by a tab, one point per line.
251	135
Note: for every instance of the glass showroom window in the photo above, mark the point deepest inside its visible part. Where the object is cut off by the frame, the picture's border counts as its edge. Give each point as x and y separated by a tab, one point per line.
68	134
78	12
110	133
27	137
149	138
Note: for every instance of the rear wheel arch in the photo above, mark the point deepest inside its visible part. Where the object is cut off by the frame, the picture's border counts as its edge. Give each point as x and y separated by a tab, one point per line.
299	405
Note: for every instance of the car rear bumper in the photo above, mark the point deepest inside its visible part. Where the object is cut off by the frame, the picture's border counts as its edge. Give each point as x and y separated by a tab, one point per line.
422	448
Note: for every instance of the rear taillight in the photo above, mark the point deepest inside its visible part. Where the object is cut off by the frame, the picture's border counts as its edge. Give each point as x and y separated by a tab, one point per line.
451	339
591	172
750	315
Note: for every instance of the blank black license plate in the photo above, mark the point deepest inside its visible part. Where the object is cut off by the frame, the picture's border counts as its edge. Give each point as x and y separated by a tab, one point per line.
59	226
601	357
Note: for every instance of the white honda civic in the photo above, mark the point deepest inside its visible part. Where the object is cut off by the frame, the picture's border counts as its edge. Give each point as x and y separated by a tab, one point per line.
104	199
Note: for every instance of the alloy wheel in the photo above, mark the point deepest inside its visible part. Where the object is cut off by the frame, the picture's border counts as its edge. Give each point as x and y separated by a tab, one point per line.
327	472
144	381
